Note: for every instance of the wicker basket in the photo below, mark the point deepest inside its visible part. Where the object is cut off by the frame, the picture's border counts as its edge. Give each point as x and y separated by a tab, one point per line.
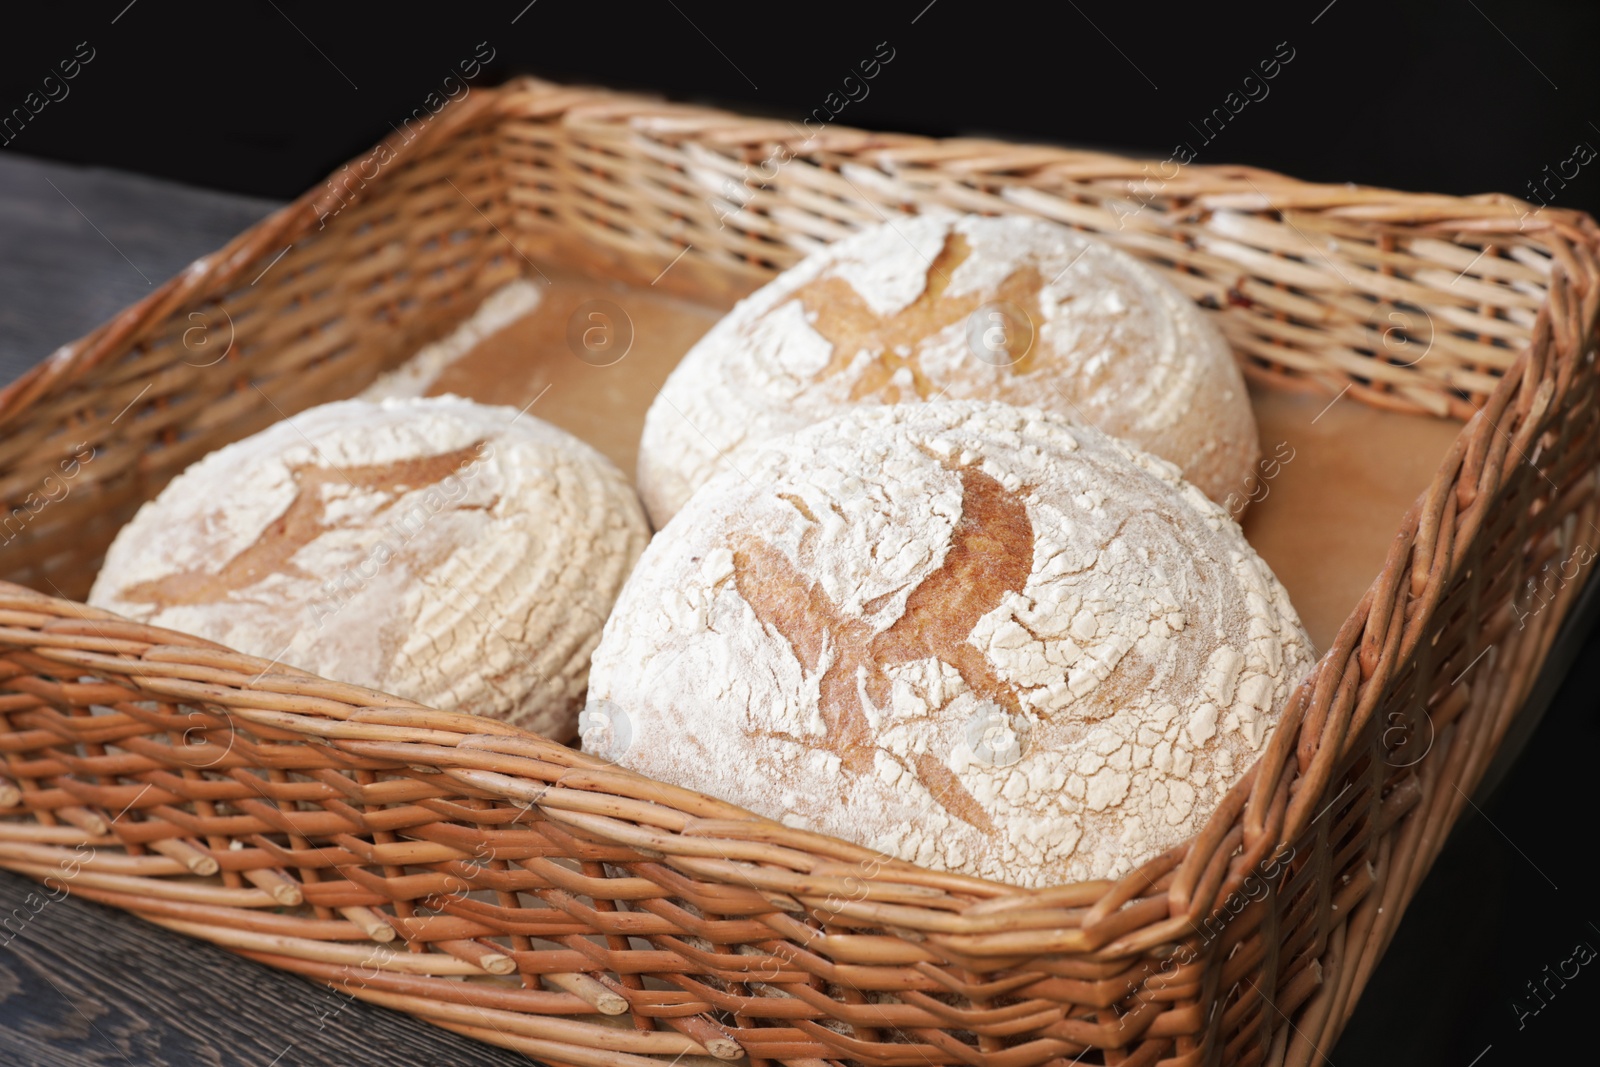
509	888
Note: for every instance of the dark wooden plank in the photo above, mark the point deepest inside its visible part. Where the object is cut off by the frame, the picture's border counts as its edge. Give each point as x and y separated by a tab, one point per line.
78	244
82	985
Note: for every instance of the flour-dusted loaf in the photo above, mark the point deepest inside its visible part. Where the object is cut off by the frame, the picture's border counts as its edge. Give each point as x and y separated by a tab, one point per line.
969	635
956	307
456	554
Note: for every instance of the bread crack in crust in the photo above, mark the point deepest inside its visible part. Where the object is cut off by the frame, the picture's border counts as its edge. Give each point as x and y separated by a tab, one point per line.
973	636
942	306
987	558
837	312
460	555
302	523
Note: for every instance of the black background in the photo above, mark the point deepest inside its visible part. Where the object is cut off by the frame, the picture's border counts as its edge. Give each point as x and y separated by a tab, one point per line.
1456	96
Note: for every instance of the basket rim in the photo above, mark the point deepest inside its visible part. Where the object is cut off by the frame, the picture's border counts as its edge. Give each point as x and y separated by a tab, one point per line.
210	276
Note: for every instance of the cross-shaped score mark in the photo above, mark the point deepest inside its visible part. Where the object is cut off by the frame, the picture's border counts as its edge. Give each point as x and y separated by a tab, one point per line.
302	522
990	554
838	313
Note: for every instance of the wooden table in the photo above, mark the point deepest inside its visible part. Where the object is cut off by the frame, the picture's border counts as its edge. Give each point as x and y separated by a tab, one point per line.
82	984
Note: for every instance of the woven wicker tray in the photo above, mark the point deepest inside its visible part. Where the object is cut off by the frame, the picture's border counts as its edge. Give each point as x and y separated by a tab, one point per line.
511	889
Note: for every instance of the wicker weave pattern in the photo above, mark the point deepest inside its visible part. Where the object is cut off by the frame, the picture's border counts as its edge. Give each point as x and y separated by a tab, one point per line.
393	850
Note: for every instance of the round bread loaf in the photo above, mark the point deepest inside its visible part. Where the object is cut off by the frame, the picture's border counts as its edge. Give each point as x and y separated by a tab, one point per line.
456	554
968	635
956	307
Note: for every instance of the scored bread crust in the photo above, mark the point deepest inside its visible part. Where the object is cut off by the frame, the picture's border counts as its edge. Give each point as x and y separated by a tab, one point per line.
456	554
907	310
972	636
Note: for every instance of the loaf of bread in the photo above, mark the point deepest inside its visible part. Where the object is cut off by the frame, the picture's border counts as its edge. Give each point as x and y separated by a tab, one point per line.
972	636
456	554
956	307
